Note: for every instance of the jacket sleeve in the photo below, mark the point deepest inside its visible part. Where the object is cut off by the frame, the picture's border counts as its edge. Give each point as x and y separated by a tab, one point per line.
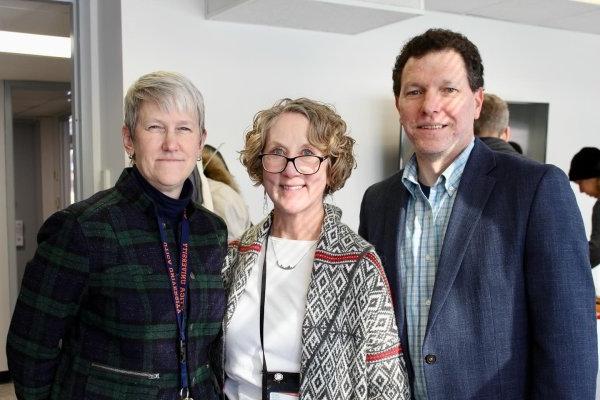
386	371
51	291
363	216
228	267
559	286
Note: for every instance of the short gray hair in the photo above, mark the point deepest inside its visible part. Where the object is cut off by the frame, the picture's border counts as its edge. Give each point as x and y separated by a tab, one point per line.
169	90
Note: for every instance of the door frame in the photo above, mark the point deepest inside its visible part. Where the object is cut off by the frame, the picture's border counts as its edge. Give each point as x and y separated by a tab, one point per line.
82	145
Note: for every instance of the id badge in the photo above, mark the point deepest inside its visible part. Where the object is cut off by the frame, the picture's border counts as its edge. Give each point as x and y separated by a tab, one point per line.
283	396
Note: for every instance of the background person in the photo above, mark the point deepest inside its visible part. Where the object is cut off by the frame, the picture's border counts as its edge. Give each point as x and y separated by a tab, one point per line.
485	252
220	192
97	317
585	171
327	312
492	125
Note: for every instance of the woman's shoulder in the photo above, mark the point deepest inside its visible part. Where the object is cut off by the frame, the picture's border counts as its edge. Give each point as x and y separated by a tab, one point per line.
338	236
92	206
250	240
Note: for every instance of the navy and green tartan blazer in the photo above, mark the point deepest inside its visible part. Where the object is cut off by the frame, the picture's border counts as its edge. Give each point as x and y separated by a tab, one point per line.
95	317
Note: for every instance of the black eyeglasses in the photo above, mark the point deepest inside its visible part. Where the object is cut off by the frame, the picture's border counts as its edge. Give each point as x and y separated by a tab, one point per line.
305	165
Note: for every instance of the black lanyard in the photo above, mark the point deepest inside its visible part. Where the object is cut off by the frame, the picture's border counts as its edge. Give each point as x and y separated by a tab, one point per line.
262	317
179	290
273	381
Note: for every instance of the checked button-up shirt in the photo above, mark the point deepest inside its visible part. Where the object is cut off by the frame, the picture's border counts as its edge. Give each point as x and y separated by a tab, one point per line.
426	223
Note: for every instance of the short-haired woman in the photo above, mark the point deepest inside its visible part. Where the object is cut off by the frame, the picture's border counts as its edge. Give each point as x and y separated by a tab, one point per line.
124	297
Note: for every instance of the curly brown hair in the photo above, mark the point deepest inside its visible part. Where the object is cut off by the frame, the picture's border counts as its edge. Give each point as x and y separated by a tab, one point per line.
326	131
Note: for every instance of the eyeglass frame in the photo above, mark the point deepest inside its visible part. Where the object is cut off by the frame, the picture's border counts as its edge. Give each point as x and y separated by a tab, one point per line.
293	161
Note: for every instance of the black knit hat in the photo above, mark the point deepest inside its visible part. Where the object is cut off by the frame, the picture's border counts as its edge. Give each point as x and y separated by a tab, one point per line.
585	164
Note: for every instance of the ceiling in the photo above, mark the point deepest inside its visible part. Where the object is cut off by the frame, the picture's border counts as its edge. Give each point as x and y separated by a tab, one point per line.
30	103
560	14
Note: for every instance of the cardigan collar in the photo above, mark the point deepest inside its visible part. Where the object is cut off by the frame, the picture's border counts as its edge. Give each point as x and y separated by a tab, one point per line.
255	236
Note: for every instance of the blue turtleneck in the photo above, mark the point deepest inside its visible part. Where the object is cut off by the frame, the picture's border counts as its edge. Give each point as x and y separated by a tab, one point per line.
169	210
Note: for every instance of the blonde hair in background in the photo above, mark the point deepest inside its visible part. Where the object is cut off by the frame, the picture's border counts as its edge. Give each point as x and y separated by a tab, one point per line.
216	169
494	116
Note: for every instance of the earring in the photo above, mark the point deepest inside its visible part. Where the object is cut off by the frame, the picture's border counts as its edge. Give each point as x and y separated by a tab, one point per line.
199	158
130	155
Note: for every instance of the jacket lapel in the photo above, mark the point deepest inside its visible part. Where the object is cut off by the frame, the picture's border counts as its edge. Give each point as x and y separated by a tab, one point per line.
393	235
473	193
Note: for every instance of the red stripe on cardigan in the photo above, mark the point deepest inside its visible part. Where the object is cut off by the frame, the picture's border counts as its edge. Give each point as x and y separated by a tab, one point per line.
335	258
352	257
251	247
384	355
375	260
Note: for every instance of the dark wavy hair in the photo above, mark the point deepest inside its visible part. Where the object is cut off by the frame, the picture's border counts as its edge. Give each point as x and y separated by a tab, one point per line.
438	40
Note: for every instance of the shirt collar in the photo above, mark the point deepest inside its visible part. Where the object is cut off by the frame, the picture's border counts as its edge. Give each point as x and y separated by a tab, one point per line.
450	177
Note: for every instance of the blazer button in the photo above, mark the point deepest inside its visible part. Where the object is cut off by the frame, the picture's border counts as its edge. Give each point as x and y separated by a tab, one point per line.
430	359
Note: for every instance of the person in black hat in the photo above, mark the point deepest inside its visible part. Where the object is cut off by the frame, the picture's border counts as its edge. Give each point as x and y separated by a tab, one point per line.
585	171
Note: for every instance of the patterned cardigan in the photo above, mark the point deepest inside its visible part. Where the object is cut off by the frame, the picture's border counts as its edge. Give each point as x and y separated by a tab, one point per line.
350	347
95	318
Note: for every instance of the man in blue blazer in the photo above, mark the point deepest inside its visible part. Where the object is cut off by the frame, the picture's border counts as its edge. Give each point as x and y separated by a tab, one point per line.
485	252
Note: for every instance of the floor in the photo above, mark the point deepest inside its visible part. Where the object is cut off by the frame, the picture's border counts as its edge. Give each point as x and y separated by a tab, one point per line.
7	392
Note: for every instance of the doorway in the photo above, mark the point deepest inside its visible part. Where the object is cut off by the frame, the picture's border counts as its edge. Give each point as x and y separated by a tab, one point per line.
40	128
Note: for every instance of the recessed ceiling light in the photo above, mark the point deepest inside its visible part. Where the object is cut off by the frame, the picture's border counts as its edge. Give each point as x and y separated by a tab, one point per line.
38	45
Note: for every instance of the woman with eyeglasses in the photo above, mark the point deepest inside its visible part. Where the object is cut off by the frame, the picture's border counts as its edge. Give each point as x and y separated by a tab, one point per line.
309	312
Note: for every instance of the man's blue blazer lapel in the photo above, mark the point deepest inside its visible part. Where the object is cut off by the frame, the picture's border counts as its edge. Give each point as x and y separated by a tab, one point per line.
473	193
393	229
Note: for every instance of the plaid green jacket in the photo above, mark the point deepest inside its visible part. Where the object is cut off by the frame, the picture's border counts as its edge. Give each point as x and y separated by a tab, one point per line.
95	317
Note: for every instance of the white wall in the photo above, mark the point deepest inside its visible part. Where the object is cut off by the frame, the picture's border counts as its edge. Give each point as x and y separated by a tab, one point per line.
100	91
244	68
5	309
110	73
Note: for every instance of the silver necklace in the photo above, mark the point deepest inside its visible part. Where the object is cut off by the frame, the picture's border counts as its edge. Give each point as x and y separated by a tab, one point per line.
286	266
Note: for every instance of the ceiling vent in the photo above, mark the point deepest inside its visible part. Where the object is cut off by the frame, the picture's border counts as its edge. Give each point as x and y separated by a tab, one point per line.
339	16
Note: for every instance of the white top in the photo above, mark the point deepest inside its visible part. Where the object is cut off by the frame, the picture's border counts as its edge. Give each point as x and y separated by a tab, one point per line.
285	305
